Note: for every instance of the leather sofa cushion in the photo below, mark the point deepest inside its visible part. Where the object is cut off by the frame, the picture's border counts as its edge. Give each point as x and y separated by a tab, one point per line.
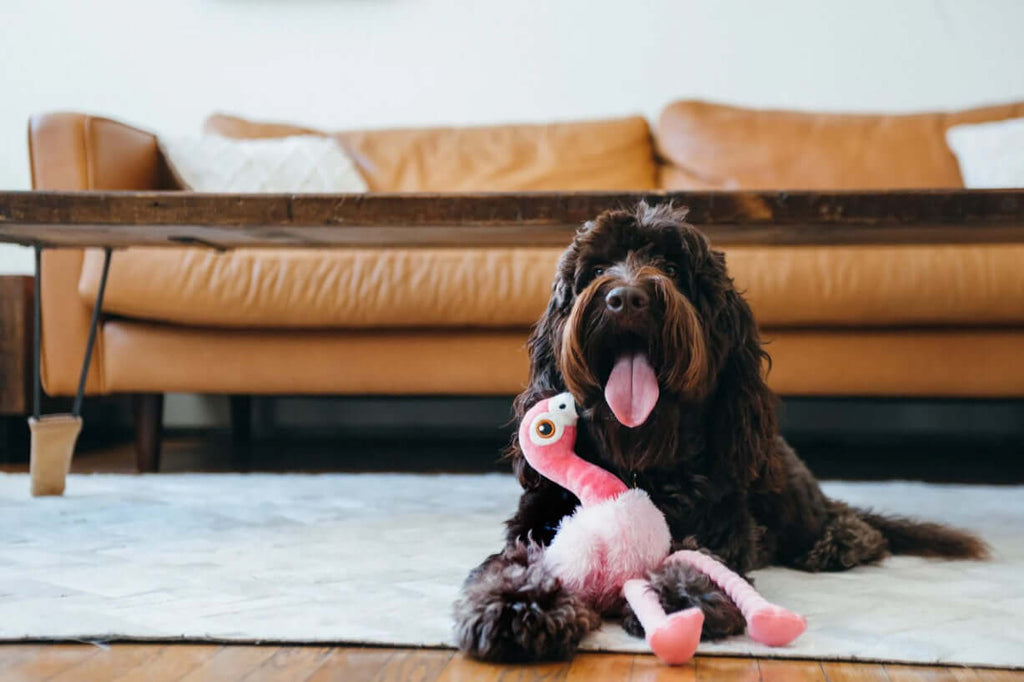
343	288
72	151
142	357
711	146
850	286
592	155
137	357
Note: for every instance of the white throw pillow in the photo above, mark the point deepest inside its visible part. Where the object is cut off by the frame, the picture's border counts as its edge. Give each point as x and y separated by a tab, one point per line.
304	163
989	154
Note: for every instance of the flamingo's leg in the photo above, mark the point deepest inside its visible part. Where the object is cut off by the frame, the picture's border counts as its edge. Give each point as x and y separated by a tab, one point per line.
673	638
767	623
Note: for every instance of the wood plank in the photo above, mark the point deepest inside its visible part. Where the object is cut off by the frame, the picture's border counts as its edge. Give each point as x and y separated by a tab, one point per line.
587	667
727	669
919	673
120	219
289	664
24	663
844	671
231	663
171	663
222	238
13	654
349	665
539	208
462	669
784	670
647	668
415	665
109	663
204	662
994	675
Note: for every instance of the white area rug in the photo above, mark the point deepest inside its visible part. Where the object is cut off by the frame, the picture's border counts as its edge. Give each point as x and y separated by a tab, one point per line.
379	559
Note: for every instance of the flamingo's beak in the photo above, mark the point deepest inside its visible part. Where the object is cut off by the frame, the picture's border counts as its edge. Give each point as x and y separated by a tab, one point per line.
564	407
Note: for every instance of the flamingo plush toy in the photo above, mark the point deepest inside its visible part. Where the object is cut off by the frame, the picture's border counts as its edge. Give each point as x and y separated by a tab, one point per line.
604	551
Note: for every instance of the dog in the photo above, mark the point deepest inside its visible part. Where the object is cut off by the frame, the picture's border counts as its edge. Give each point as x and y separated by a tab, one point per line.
647	330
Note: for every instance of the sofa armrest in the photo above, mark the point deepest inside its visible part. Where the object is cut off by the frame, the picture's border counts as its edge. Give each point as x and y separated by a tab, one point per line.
69	151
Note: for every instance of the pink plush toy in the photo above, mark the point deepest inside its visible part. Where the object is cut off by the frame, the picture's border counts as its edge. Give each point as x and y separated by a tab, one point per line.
604	551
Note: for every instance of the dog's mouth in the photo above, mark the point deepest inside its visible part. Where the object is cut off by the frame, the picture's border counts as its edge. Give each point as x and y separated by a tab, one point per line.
632	389
627	369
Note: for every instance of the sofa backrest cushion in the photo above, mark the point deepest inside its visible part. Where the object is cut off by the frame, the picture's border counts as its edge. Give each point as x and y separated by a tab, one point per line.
712	146
591	155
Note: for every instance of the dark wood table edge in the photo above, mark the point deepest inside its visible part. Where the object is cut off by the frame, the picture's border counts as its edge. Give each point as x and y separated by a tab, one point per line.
223	221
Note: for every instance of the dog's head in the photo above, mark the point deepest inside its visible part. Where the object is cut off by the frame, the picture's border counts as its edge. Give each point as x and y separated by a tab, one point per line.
631	331
647	331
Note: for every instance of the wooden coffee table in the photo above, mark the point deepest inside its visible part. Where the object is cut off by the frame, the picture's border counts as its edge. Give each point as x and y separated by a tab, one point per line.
225	221
113	220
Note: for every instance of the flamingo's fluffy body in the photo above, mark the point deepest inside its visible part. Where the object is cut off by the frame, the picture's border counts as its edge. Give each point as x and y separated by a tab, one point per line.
615	535
604	550
600	547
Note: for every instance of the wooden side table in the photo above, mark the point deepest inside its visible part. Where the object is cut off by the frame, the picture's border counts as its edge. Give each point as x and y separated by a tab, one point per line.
16	298
15	345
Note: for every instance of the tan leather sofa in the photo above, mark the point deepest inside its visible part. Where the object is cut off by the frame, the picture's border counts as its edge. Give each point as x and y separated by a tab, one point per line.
841	321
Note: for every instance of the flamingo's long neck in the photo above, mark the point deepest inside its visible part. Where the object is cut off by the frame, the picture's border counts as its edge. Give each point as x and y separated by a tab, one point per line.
557	462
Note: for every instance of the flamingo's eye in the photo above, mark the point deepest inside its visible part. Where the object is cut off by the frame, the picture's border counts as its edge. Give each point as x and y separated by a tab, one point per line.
545	428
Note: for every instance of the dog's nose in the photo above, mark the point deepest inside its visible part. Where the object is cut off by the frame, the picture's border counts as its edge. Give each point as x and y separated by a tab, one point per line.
626	299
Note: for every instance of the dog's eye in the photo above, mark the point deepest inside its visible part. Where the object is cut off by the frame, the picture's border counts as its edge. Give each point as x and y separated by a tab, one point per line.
597	270
671	270
545	428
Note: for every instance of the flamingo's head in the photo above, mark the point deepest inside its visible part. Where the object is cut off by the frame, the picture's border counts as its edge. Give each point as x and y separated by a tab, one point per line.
550	421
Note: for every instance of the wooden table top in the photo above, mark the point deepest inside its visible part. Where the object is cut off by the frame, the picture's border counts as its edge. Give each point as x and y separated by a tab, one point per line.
224	221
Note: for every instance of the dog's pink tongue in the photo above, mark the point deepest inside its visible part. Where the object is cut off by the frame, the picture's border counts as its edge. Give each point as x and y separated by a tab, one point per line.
632	390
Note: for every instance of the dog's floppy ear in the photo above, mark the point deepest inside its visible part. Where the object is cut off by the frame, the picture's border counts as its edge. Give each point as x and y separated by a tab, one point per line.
545	378
544	344
741	409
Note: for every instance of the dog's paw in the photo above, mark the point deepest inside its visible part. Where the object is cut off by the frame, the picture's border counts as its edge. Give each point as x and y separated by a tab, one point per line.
631	624
681	586
513	610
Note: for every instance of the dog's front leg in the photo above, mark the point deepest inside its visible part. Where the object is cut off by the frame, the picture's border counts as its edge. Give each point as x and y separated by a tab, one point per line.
512	609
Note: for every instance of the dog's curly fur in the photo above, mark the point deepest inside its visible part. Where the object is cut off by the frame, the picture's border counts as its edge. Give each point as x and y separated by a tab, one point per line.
709	454
681	586
513	610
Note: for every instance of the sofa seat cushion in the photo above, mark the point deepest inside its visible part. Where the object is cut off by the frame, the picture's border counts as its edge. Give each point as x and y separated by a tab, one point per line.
882	286
615	154
712	146
849	286
137	357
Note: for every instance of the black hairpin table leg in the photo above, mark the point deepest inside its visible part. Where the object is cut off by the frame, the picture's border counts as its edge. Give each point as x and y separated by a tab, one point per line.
54	435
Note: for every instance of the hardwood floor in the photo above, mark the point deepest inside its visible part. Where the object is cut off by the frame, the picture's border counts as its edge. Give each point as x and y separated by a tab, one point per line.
209	662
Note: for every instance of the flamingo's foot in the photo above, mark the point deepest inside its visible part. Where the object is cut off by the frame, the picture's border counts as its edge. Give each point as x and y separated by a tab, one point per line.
675	640
775	626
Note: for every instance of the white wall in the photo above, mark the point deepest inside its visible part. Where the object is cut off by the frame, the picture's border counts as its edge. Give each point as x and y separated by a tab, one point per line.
339	63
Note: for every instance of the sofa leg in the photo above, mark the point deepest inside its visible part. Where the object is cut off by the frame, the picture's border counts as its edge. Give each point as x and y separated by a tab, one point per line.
149	418
241	431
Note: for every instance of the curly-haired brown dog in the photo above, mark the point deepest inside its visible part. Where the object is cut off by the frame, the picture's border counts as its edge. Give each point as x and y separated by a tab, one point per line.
644	282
